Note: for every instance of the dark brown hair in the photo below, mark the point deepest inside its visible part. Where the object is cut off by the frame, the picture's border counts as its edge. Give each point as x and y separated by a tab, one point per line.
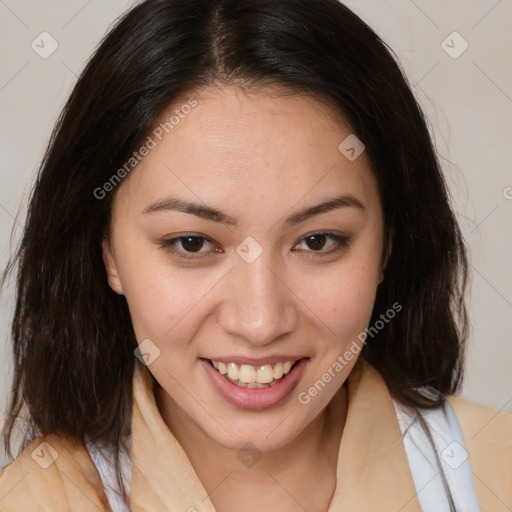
72	335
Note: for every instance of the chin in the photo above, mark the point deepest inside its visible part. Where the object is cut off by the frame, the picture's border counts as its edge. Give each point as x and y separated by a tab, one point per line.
266	434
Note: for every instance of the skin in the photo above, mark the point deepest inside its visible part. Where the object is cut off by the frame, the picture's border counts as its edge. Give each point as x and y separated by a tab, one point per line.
257	156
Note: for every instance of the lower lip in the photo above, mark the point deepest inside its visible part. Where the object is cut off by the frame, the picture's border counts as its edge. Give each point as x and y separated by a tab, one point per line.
254	398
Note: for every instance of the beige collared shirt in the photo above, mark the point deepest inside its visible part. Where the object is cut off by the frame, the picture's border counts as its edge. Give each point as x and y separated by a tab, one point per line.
373	473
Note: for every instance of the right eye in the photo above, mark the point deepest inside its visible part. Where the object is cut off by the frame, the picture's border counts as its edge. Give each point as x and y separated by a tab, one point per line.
190	242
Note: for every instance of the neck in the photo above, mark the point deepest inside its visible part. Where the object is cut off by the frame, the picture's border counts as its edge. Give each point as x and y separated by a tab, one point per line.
301	472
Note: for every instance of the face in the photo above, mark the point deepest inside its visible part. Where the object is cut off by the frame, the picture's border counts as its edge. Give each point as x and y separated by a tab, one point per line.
229	262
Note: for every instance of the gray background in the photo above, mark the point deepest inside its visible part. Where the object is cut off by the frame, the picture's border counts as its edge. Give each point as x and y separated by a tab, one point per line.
467	99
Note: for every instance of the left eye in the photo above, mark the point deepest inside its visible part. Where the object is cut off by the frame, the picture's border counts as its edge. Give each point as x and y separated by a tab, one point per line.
317	241
193	243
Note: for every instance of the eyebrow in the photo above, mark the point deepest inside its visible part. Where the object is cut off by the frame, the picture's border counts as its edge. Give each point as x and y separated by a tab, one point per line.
215	215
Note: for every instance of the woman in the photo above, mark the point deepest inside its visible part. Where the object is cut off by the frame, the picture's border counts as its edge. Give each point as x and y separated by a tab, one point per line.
241	283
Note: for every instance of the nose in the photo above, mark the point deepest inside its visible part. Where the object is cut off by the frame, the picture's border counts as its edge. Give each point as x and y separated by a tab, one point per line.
259	306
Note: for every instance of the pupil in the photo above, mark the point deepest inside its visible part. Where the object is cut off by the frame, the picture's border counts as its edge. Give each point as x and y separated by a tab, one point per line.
191	245
318	241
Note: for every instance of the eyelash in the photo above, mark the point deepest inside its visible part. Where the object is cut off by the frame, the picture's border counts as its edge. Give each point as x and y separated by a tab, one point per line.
341	241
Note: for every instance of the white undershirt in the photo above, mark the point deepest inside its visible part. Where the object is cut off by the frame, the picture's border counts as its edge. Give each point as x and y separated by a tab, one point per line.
450	448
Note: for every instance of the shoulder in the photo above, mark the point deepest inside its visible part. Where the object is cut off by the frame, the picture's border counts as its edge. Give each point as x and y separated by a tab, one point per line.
482	425
52	473
481	418
487	434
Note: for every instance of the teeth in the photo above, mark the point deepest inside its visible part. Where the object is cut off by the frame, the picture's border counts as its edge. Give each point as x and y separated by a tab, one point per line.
265	374
255	385
278	371
252	384
232	371
246	375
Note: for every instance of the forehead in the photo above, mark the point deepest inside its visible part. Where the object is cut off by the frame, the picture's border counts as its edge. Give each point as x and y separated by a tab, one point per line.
234	146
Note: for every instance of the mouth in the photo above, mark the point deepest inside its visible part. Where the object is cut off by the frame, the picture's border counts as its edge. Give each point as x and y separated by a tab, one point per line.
249	376
254	387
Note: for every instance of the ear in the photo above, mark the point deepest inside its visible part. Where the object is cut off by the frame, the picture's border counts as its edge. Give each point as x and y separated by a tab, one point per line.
386	259
114	280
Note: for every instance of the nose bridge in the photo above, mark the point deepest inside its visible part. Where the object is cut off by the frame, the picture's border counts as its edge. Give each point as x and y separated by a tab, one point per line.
260	307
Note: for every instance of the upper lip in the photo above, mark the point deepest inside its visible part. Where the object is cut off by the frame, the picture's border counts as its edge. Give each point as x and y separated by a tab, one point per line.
256	361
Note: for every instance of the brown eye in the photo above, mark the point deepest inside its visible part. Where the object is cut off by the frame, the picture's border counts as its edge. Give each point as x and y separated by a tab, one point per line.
190	244
315	242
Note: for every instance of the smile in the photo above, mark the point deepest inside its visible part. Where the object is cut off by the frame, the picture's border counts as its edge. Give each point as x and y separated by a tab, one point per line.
248	376
252	387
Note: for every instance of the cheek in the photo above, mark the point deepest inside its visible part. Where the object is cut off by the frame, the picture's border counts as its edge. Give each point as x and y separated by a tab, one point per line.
161	299
168	302
342	298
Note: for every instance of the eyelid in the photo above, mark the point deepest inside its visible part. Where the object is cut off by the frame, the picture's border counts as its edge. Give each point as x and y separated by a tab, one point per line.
168	243
341	240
